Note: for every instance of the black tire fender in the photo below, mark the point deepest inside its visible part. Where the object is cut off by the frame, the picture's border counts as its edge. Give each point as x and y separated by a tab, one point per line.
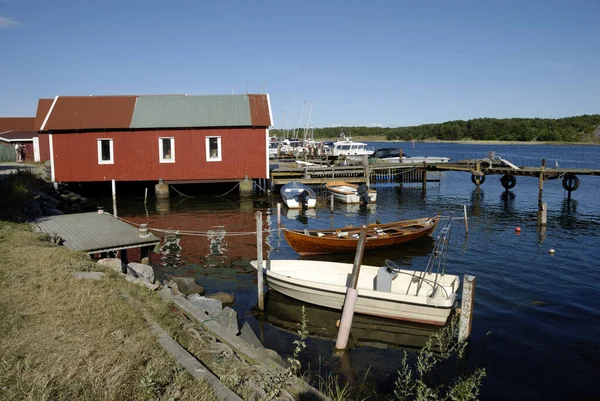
474	179
570	182
508	181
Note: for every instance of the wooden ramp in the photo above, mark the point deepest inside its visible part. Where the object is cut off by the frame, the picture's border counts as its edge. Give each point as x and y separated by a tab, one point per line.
94	233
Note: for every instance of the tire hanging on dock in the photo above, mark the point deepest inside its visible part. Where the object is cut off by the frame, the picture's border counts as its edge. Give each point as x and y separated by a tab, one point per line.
570	182
474	179
508	181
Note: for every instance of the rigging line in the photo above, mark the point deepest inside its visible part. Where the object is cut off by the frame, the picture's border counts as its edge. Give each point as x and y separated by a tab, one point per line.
175	189
236	185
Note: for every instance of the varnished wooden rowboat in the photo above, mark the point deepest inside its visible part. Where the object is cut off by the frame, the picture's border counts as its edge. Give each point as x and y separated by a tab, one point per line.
315	242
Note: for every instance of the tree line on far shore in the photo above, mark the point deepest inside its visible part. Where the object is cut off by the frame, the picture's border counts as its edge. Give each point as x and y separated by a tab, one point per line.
585	128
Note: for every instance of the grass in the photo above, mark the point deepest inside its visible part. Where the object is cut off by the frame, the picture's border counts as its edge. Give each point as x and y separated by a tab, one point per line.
69	339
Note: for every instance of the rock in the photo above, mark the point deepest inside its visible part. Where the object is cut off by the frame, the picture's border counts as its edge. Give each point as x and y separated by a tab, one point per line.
89	275
113	263
229	320
52	212
247	334
187	285
145	261
145	272
212	306
174	287
142	282
273	355
34	209
226	299
47	199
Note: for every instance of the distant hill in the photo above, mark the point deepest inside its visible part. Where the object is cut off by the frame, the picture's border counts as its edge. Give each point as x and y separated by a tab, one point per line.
583	128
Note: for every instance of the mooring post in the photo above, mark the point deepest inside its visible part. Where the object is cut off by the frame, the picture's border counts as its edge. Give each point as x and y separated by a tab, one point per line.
259	261
543	214
145	196
332	202
466	313
541	184
114	196
466	220
424	182
278	215
351	294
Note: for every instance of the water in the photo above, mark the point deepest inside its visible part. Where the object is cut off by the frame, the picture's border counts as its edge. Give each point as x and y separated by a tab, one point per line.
536	325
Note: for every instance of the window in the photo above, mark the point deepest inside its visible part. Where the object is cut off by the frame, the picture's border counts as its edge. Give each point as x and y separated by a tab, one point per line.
213	149
105	151
166	150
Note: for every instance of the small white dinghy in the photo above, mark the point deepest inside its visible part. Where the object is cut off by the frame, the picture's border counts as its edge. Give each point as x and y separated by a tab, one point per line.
298	196
346	192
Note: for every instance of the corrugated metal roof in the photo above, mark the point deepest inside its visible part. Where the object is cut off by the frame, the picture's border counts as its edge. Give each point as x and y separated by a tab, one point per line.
196	111
91	112
155	111
16	123
42	111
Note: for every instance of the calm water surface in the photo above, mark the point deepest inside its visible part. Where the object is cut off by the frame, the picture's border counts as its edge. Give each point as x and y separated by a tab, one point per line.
536	325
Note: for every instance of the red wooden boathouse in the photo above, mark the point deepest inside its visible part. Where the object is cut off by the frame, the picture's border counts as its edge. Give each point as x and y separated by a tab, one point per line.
145	138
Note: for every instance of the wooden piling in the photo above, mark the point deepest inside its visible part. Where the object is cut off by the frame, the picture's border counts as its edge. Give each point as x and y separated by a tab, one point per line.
145	196
424	180
543	214
259	261
466	314
541	184
332	202
351	294
466	219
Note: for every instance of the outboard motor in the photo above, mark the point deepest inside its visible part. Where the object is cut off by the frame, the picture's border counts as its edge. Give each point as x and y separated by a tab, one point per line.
363	193
302	198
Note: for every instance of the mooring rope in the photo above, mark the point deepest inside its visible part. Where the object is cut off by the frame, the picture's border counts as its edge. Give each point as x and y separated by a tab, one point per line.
182	194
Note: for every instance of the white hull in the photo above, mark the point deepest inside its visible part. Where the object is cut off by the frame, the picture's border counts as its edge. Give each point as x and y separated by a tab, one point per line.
416	160
352	196
324	284
294	204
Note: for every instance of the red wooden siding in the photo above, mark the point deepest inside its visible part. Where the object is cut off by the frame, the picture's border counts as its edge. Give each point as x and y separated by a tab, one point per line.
136	155
44	146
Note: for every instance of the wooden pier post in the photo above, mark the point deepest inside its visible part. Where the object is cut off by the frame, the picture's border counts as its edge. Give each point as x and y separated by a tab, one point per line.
259	261
466	220
278	215
351	294
466	313
114	198
543	214
145	196
541	184
424	180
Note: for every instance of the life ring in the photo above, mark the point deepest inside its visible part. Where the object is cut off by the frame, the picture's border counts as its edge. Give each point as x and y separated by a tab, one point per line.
508	181
481	179
570	182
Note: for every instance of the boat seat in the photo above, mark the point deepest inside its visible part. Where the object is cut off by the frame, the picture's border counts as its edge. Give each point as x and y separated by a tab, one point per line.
342	234
320	235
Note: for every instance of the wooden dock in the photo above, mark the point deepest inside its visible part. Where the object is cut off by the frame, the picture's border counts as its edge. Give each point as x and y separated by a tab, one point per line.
95	233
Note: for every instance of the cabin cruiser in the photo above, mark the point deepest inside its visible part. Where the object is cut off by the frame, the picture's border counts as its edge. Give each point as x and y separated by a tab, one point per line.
350	149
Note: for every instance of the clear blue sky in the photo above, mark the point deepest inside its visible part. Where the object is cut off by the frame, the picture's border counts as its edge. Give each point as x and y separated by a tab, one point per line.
388	63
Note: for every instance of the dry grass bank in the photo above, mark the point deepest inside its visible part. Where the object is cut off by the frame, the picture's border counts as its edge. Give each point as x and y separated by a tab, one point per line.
63	338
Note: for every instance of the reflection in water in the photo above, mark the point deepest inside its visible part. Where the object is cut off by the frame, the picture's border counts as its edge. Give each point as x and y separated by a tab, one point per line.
170	251
301	215
217	246
508	201
286	313
163	206
476	200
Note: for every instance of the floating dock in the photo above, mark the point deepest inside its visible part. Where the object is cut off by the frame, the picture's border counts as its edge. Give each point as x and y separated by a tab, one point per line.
95	233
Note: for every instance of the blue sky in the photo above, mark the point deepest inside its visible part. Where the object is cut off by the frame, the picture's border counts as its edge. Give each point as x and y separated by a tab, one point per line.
387	63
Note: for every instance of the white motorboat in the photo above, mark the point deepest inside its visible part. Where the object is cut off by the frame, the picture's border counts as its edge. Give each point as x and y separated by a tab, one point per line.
350	150
385	291
393	155
298	196
346	192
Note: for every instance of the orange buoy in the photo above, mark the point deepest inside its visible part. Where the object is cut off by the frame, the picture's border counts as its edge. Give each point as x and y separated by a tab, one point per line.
518	230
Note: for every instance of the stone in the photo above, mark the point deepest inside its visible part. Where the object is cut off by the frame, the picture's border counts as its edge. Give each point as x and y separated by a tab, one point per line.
273	355
174	287
228	318
226	299
113	263
52	212
145	272
247	334
212	306
145	261
47	199
187	285
142	282
89	275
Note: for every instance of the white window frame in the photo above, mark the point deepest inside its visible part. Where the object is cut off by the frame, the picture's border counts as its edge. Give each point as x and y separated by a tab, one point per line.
112	151
219	156
160	149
